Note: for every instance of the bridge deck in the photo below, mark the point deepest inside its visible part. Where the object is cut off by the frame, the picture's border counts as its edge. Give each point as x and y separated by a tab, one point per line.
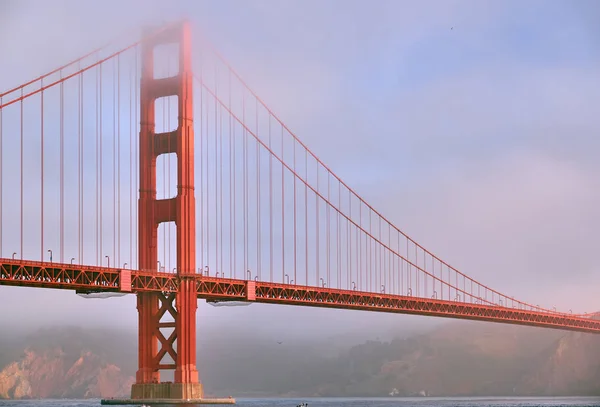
99	279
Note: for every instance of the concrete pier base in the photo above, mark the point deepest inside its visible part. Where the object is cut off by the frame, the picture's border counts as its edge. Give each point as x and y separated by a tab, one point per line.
164	402
167	391
167	394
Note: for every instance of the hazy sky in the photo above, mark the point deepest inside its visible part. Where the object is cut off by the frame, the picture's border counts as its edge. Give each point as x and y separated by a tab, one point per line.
472	125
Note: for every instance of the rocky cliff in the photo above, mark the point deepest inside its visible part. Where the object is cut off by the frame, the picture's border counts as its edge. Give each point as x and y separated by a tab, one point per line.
50	374
59	364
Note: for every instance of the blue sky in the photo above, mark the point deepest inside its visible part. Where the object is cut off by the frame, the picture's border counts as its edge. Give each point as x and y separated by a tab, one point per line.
480	140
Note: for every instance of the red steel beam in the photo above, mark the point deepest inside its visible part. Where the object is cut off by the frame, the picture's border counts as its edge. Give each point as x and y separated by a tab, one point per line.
99	279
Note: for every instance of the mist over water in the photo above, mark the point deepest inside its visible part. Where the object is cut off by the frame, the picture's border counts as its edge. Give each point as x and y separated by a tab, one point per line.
333	402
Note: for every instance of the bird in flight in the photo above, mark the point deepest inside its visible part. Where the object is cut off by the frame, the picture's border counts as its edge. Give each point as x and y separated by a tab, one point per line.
279	343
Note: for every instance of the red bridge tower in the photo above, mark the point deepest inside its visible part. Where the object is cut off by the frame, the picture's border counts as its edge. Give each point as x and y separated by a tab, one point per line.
180	345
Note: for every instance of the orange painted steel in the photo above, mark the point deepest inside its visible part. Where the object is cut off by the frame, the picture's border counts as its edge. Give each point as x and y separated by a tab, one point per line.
180	209
97	279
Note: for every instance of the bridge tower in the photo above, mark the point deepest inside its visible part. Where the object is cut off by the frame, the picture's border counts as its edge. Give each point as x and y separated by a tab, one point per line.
180	344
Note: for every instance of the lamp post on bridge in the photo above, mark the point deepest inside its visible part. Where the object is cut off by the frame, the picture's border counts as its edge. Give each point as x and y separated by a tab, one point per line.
50	251
354	286
72	260
287	278
107	261
124	265
13	255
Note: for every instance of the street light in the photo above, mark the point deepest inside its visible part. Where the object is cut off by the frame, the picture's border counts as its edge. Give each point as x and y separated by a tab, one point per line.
291	281
288	278
50	251
158	262
322	281
353	285
124	265
108	261
72	260
14	254
249	274
383	289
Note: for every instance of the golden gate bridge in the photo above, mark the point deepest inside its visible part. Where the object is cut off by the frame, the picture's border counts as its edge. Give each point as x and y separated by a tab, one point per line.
150	167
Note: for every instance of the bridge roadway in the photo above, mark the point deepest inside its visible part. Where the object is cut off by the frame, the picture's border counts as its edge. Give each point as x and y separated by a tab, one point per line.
15	272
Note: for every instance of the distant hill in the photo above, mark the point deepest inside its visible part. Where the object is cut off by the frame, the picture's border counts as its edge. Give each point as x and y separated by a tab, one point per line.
456	359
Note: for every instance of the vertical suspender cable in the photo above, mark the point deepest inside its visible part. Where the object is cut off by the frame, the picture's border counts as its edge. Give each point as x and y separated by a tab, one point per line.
1	177
22	174
270	206
137	156
62	172
114	162
80	171
317	226
42	172
216	170
306	216
131	159
101	186
118	254
295	204
245	172
97	162
221	186
282	213
258	224
202	192
231	175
